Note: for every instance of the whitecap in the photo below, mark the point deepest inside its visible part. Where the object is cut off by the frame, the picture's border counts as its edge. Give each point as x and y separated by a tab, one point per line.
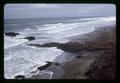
10	42
28	29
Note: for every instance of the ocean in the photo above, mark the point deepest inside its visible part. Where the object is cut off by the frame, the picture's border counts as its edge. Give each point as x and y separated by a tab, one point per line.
22	59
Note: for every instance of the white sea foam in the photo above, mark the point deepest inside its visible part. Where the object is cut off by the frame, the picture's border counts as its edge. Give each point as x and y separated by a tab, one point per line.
28	29
26	59
10	41
63	30
64	27
49	26
103	22
53	24
72	29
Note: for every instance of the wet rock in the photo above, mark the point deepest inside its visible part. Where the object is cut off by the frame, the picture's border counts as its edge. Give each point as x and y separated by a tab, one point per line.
20	77
45	66
53	44
70	47
30	38
13	34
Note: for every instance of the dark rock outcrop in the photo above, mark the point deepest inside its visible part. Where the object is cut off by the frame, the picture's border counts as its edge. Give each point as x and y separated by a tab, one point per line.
19	77
13	34
45	66
70	46
30	38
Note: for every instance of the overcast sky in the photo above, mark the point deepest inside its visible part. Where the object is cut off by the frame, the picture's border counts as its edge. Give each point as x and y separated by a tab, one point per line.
57	10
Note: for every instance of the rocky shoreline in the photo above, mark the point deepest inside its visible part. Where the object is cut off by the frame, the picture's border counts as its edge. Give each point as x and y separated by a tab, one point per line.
99	60
96	56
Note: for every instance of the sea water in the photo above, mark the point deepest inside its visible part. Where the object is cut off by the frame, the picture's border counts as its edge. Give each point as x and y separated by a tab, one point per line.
21	59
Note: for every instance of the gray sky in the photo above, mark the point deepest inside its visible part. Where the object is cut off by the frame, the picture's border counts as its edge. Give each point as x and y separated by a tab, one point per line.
57	10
